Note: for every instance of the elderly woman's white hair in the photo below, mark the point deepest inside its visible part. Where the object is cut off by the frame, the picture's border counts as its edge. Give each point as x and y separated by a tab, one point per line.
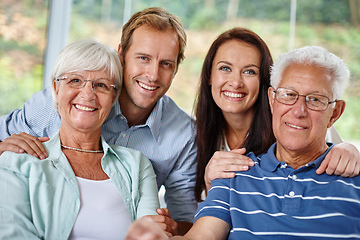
313	55
88	55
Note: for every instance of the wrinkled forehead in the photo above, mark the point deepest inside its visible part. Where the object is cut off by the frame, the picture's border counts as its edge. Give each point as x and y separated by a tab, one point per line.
307	79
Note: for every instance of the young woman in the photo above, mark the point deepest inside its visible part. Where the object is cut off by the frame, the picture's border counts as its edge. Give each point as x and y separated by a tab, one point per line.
232	111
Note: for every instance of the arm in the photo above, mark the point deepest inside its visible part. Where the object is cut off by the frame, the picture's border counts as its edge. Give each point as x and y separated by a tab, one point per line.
15	212
149	200
225	164
179	187
37	118
343	159
206	228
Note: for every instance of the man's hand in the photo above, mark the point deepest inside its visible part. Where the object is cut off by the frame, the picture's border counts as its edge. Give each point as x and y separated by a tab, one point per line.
25	143
145	229
225	164
343	159
165	222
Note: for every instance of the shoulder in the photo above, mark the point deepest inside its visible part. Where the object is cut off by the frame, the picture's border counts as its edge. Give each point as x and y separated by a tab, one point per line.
176	118
172	110
19	163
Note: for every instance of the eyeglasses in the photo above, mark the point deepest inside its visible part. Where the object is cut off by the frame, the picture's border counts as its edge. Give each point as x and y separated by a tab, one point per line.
101	85
313	101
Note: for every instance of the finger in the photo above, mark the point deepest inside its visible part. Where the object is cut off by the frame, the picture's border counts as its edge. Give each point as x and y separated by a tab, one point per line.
241	151
43	139
30	144
4	146
348	170
324	164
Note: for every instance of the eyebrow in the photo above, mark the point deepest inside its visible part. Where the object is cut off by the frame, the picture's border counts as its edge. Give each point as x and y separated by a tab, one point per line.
79	75
229	63
148	55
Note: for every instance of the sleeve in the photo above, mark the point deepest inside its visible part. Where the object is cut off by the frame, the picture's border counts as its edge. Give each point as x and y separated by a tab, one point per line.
333	136
180	185
37	117
15	212
148	193
217	203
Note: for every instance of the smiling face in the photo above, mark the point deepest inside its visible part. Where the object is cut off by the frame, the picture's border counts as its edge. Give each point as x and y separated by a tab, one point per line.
83	109
235	78
149	67
296	127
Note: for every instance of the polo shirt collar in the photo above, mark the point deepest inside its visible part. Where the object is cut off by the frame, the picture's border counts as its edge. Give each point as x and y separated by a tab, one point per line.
269	161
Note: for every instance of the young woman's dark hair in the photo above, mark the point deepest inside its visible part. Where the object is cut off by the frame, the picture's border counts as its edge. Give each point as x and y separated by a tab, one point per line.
210	121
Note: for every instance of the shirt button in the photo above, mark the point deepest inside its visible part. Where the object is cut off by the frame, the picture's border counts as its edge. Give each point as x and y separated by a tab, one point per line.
292	193
128	200
294	177
123	135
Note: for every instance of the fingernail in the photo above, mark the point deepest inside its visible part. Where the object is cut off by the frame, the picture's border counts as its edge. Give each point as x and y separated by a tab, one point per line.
35	155
245	167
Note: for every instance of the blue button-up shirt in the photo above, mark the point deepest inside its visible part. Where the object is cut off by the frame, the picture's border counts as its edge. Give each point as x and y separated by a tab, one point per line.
167	139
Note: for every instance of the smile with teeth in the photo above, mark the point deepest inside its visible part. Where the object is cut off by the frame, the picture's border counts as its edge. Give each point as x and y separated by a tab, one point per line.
87	109
146	87
234	95
294	126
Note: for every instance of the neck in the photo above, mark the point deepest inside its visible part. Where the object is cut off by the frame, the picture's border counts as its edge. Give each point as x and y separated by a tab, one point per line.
86	140
236	129
133	114
297	159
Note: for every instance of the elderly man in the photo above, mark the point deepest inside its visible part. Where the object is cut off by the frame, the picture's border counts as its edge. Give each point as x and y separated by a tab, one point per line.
282	197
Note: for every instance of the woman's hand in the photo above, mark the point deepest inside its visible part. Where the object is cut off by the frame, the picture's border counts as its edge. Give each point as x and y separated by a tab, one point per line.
165	222
25	143
145	228
343	159
225	164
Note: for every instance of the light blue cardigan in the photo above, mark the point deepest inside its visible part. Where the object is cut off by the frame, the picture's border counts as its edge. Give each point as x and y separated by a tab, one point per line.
39	199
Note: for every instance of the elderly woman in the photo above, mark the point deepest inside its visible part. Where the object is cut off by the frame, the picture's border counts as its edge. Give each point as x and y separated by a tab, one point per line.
282	196
85	188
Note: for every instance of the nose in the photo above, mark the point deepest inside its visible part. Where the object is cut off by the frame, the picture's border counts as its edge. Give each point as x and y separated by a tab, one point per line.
299	109
236	80
152	71
88	90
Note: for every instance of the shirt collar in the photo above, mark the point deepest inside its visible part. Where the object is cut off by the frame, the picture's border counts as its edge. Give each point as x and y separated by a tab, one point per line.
154	120
269	161
115	110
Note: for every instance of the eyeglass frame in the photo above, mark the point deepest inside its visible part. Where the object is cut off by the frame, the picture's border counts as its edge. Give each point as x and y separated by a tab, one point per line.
93	82
306	99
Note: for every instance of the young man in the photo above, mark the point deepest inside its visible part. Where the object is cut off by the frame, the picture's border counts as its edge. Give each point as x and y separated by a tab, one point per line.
151	49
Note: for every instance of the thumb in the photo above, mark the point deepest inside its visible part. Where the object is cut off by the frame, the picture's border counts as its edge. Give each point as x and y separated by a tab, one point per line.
241	151
43	139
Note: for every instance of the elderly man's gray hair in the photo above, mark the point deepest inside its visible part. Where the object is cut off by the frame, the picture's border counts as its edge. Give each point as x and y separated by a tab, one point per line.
313	55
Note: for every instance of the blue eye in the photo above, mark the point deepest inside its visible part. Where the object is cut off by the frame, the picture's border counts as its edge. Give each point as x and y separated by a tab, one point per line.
250	71
226	69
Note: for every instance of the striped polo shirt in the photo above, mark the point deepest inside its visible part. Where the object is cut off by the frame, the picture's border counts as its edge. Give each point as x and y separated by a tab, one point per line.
274	201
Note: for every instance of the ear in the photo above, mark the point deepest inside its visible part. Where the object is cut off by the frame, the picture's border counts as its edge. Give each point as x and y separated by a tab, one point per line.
337	112
121	54
56	87
271	96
